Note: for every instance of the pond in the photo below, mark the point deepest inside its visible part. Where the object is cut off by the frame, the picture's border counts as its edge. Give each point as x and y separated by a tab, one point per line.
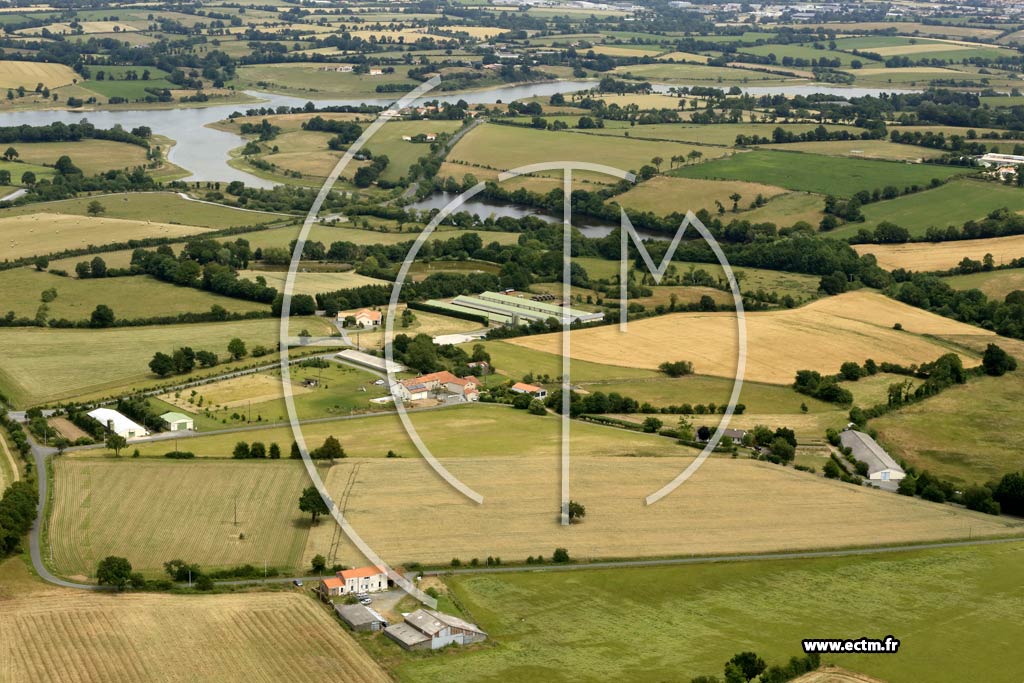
589	227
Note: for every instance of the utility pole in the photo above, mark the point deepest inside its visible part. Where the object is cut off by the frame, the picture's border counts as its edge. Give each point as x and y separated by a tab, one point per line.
189	578
236	510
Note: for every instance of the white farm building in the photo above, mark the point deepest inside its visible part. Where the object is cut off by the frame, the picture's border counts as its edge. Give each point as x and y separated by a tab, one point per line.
117	423
881	466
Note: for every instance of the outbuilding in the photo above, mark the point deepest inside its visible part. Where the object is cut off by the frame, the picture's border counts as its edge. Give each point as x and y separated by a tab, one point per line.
881	466
117	423
361	618
178	422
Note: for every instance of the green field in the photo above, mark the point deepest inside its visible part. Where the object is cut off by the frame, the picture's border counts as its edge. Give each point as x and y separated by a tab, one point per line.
307	79
966	434
952	204
340	390
709	134
125	507
816	173
19	168
996	284
698	73
145	206
282	237
758	397
861	149
807	52
506	147
458	431
788	209
555	627
92	156
130	297
43	365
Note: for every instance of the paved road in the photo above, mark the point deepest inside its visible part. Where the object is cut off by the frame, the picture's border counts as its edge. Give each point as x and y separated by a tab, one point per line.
414	187
40	454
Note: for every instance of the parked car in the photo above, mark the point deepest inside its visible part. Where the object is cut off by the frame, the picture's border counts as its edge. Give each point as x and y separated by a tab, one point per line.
297	583
365	601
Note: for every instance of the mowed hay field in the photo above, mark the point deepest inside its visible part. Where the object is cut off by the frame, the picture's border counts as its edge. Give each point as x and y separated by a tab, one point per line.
506	147
125	507
43	365
241	638
665	194
819	336
928	256
723	508
950	601
14	74
48	233
92	156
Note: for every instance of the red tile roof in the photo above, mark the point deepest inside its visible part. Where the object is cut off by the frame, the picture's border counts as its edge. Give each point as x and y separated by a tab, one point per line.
359	573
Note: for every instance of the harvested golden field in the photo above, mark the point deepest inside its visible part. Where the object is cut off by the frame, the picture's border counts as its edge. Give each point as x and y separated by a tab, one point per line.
395	504
77	636
665	194
926	256
125	507
47	233
14	74
819	336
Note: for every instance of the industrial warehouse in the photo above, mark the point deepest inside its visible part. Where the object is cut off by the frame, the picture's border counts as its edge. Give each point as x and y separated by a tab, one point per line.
506	309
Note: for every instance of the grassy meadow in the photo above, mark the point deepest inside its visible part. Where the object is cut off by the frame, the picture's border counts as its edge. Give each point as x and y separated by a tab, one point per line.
44	365
966	434
663	195
816	172
143	206
522	146
560	620
954	204
996	284
132	297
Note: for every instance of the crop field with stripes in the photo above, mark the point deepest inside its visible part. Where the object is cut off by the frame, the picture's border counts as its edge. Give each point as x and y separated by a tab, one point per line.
145	637
154	511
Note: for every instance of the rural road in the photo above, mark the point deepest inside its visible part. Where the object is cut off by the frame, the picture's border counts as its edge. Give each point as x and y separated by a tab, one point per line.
414	187
41	454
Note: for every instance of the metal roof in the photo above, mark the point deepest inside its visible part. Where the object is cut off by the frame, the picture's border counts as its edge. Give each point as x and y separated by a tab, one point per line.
867	449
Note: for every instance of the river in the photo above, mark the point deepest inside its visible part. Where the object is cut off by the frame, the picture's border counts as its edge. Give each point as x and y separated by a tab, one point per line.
589	227
204	151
